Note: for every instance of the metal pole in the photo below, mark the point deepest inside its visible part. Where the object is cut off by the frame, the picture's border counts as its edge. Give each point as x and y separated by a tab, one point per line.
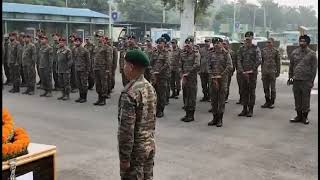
110	30
234	17
66	3
254	19
164	15
67	31
5	27
264	18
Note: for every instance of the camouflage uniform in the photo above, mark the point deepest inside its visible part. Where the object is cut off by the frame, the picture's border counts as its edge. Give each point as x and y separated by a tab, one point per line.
270	70
45	67
15	62
73	76
239	76
204	75
114	67
121	62
81	60
220	64
136	132
55	47
303	70
249	59
64	57
233	58
5	60
29	58
160	70
38	45
175	66
90	47
148	51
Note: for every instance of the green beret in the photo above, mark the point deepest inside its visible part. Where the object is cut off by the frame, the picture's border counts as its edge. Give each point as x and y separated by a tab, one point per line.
189	39
248	34
137	57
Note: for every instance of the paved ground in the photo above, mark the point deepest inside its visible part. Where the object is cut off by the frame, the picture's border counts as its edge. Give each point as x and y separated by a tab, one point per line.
263	147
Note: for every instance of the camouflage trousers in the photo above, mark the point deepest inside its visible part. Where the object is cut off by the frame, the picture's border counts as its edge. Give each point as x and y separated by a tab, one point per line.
175	81
218	95
102	82
302	92
15	74
168	89
269	85
248	90
55	75
239	81
46	79
82	79
73	78
189	88
38	70
204	77
125	81
141	168
64	81
161	87
91	79
228	86
30	76
23	79
7	71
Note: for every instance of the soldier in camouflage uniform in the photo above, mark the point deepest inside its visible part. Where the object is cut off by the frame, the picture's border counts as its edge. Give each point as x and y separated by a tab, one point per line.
73	77
5	59
15	61
189	69
249	59
45	66
220	66
204	75
113	66
136	117
148	50
22	42
270	70
55	47
238	74
81	60
302	72
233	58
29	58
102	65
64	62
175	67
90	47
160	70
38	45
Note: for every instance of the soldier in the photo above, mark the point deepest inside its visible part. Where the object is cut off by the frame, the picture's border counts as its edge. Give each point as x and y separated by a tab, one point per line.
302	72
204	75
113	66
102	65
220	66
5	59
45	67
137	109
55	47
148	50
270	70
239	76
22	42
175	67
249	59
29	58
90	47
160	70
64	62
38	45
73	79
190	67
233	58
15	61
129	45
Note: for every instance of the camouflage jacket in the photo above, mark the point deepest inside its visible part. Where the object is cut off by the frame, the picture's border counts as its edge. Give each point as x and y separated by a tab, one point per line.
123	53
29	55
90	47
15	53
303	64
81	58
233	59
190	62
270	61
38	46
175	59
103	57
137	120
204	57
114	58
5	48
45	57
55	47
220	63
160	63
64	60
249	59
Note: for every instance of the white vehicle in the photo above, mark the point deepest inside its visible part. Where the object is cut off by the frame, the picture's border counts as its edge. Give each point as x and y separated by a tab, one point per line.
259	39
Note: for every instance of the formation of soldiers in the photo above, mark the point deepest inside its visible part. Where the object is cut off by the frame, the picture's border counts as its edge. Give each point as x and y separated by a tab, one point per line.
80	66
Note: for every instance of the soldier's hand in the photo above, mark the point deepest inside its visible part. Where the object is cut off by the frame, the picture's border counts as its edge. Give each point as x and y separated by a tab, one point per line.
290	81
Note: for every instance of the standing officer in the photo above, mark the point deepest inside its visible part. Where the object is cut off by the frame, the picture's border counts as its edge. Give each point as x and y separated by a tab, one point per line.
38	45
160	71
220	66
175	67
5	59
29	58
73	79
90	47
64	63
302	72
45	66
148	50
136	117
249	59
226	46
113	66
239	76
190	67
22	43
102	63
55	47
81	59
270	70
15	58
204	75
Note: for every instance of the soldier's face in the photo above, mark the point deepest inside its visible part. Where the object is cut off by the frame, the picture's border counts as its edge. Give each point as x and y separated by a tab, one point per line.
303	43
131	41
225	45
43	41
269	44
248	41
12	38
27	39
148	43
77	43
174	45
128	69
61	43
161	45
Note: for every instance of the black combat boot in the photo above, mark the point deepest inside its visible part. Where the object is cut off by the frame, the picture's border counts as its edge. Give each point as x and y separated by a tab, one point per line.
205	98
44	94
219	120
250	112
62	96
66	97
271	106
305	118
298	118
267	103
185	117
49	94
244	111
84	98
190	116
98	101
80	97
15	89
177	94
214	120
159	113
26	91
103	101
31	91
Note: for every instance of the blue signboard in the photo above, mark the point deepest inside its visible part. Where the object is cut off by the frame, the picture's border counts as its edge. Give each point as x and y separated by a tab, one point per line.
114	15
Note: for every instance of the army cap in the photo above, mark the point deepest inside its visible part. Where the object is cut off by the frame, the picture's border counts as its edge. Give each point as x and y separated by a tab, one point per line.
137	57
27	36
174	41
215	40
306	38
13	34
132	37
161	39
189	39
78	38
62	39
248	35
98	34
